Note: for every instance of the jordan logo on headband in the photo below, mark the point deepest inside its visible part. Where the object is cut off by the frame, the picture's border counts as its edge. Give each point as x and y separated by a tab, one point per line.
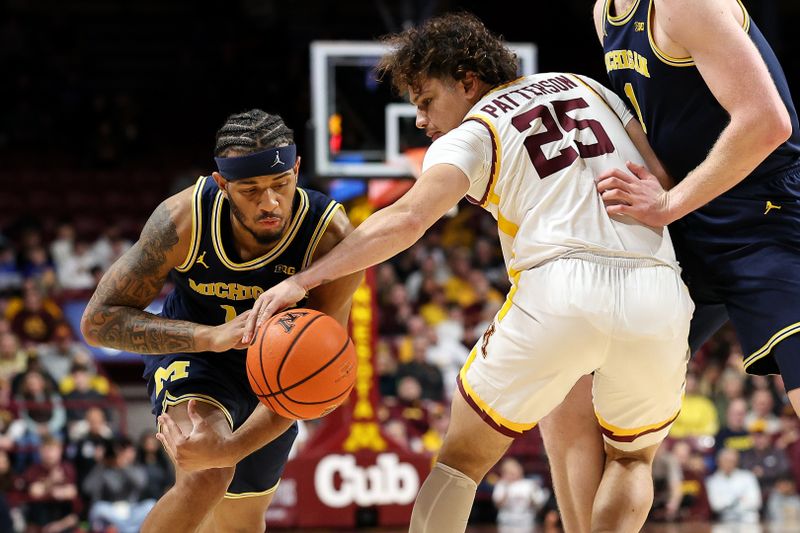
258	164
277	159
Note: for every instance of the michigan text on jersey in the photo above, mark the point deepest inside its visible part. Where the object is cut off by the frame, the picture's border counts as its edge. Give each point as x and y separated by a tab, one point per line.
626	59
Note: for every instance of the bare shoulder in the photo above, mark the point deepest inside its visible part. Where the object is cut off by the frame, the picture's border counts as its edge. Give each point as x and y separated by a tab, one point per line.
166	236
598	14
682	18
338	228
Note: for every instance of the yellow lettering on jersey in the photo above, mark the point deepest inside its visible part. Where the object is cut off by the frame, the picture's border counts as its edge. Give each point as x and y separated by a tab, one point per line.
288	270
174	372
230	291
626	60
230	312
364	436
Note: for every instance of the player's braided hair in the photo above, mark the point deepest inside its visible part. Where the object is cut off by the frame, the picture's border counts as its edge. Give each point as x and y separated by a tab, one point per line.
250	132
447	46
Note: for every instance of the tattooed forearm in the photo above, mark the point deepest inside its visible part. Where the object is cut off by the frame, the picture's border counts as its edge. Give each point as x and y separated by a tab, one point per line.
114	316
136	331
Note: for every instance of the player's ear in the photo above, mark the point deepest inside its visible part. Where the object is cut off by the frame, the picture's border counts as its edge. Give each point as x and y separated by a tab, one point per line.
222	183
469	84
297	167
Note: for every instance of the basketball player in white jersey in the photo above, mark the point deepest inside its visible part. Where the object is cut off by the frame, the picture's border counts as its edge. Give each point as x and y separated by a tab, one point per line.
590	293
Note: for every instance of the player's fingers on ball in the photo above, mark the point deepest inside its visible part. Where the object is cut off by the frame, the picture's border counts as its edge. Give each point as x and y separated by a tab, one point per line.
250	324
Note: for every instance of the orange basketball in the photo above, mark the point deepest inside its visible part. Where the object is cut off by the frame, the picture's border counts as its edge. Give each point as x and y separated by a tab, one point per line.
302	364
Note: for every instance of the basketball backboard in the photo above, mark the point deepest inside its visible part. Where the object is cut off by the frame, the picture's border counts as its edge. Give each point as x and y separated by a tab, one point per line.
361	127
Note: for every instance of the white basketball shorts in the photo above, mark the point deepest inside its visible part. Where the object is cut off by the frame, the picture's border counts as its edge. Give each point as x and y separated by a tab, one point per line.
625	319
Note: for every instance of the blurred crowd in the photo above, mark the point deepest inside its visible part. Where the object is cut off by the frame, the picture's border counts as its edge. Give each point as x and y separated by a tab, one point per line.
67	460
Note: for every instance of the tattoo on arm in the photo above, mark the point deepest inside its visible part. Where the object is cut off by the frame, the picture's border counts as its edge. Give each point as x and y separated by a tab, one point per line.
114	316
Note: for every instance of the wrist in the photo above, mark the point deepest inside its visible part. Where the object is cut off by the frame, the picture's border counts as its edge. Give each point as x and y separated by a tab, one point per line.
204	339
305	280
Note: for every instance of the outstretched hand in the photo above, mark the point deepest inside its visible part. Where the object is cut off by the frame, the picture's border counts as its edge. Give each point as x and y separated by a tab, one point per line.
639	196
202	448
283	295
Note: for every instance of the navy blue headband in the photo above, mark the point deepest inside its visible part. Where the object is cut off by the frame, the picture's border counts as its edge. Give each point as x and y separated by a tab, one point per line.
276	160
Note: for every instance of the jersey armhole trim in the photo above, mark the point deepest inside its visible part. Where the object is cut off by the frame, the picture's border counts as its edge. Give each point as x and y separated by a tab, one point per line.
489	195
319	231
197	225
621	20
661	55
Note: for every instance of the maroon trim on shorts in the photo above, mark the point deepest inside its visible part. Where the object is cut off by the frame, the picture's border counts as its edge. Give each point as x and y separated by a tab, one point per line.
485	416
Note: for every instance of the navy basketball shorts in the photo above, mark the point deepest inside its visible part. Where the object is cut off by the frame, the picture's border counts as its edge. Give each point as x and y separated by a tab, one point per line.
740	256
220	380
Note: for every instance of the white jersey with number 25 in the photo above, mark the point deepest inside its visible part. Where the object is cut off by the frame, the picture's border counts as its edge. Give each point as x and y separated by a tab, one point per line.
531	150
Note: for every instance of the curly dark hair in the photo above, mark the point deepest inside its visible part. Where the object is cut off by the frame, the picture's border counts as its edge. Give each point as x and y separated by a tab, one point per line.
250	132
447	46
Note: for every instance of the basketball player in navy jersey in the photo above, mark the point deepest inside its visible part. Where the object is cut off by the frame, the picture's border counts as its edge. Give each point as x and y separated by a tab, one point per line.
222	243
716	107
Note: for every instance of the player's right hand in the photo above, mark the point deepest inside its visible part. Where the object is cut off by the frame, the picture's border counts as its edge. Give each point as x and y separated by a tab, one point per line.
228	336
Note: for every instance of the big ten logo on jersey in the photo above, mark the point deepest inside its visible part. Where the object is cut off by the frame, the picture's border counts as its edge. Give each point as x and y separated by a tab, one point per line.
174	372
388	482
287	320
285	269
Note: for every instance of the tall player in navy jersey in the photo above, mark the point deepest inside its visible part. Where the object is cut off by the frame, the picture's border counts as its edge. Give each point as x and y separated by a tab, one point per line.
222	243
716	107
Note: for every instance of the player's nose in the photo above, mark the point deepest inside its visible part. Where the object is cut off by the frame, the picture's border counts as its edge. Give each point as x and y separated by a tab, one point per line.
422	120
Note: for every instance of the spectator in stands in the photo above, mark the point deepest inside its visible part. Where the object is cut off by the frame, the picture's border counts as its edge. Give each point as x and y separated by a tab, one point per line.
150	455
783	506
427	375
731	387
766	461
36	265
394	316
694	500
788	440
109	247
74	272
517	498
434	304
10	275
408	407
734	434
386	368
33	322
449	356
439	421
761	413
458	287
42	411
57	356
733	493
63	245
83	395
51	488
115	487
83	359
88	439
667	485
486	259
12	359
698	416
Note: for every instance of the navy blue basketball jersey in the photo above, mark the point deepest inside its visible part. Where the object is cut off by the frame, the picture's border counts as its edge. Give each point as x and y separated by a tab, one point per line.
679	113
213	285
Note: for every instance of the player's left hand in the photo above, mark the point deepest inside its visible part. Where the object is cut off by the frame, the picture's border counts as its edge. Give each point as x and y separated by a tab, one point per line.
202	448
285	294
639	196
